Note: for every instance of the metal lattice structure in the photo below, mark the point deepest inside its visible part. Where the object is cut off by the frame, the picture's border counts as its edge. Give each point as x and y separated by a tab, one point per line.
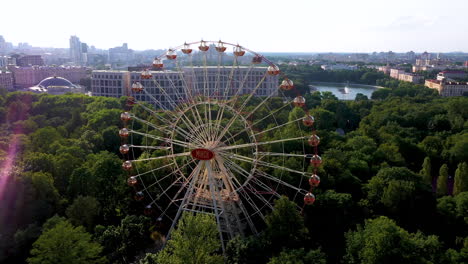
202	145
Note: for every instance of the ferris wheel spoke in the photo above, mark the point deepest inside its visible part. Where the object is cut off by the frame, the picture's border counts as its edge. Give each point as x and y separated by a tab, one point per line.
259	143
164	157
263	163
234	118
280	154
188	90
153	170
163	139
178	129
246	191
270	114
163	129
194	175
276	127
195	114
169	98
158	181
202	134
149	147
279	181
246	174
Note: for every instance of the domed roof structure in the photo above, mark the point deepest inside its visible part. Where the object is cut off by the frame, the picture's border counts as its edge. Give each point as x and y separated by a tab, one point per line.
56	86
55	82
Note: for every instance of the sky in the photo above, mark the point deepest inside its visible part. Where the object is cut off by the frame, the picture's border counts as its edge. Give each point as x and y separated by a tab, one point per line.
260	25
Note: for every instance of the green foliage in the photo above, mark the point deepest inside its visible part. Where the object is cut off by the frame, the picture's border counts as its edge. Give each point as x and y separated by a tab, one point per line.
65	244
442	180
123	242
461	179
194	241
83	211
285	226
299	256
68	147
426	171
383	241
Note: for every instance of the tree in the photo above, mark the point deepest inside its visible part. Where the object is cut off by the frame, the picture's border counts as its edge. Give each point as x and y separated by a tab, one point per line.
442	180
195	241
461	179
299	256
382	241
123	242
65	244
285	226
426	170
83	211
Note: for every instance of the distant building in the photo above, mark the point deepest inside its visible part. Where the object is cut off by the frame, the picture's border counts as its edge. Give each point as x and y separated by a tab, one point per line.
30	60
118	83
395	72
5	47
446	88
428	68
404	76
78	51
121	55
410	77
6	80
25	77
452	75
384	69
338	67
465	64
3	61
56	86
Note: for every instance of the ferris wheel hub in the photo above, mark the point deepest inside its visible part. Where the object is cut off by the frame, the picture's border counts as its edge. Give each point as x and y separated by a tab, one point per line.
202	154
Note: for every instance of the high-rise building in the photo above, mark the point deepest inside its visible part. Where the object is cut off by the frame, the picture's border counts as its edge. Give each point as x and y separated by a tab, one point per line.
78	51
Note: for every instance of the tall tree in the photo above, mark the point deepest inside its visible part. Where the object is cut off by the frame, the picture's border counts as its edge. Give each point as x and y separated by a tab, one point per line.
382	241
195	241
65	244
426	170
285	226
442	180
461	178
299	256
83	211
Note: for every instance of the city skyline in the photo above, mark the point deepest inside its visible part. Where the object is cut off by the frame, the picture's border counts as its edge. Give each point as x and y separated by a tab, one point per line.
301	26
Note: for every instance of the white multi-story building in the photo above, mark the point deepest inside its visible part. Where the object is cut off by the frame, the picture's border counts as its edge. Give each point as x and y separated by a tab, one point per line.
447	88
6	80
405	76
167	88
395	72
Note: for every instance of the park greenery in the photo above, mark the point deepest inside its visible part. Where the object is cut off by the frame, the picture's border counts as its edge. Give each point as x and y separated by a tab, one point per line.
394	185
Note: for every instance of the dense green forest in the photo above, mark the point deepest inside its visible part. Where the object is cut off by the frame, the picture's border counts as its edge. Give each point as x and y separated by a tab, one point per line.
394	187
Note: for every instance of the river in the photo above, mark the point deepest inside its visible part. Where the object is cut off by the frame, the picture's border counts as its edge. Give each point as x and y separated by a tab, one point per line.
342	90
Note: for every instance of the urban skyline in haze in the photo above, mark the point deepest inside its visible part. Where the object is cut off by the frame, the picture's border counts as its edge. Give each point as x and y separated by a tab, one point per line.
264	26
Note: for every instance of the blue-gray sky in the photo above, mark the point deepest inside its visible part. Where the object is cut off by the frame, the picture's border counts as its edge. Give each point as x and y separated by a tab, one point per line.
262	25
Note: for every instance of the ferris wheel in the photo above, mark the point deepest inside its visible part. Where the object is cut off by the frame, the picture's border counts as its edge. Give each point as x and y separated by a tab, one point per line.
210	130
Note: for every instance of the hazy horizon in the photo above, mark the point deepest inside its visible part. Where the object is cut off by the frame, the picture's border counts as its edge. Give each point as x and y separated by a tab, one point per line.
301	26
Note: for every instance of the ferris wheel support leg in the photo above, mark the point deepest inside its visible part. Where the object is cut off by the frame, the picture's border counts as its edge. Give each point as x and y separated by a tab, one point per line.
249	201
215	205
188	193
